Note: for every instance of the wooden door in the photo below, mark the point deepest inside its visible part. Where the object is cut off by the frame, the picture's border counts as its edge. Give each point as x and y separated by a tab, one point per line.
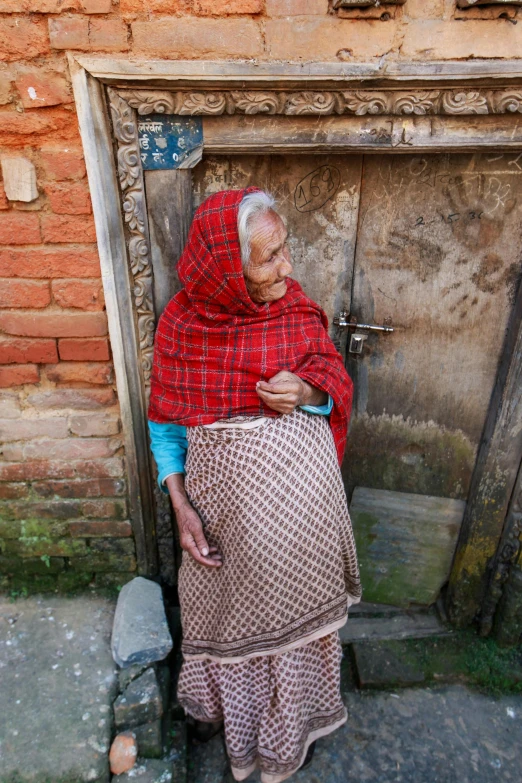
431	243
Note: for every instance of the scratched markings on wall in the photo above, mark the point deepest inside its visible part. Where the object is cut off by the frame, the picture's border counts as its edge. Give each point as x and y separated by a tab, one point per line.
170	142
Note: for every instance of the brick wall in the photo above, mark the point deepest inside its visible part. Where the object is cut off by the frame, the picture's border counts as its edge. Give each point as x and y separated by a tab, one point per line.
62	471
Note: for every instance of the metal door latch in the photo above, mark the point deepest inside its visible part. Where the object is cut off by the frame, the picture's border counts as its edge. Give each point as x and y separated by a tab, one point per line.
359	337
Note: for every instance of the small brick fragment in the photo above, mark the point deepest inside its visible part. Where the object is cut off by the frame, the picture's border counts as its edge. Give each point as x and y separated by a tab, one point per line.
80	372
68	228
19	228
81	294
19	350
69	199
24	293
18	374
88	350
123	752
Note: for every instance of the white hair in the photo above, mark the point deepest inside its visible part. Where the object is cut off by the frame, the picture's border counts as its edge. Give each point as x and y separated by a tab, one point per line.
256	203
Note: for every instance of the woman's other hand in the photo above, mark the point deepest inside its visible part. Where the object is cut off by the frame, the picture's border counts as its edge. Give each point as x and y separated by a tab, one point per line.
285	391
191	536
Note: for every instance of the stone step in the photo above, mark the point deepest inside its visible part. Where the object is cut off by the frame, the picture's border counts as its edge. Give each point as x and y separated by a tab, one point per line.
402	625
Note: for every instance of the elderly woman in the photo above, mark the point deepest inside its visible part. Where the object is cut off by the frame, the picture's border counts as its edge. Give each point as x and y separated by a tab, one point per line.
248	417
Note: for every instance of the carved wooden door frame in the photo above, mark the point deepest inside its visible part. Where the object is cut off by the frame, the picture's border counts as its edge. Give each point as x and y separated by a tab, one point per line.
320	107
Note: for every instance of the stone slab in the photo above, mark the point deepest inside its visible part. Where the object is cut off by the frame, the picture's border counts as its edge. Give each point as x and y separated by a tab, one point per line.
379	666
399	626
140	702
405	543
147	771
149	737
140	633
58	681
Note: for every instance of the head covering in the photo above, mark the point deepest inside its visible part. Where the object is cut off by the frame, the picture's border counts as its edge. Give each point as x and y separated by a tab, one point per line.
213	342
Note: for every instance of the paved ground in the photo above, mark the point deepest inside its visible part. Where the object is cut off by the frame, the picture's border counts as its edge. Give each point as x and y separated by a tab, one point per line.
417	735
58	681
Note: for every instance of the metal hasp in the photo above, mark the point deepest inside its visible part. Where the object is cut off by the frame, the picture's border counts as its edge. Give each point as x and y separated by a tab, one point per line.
359	337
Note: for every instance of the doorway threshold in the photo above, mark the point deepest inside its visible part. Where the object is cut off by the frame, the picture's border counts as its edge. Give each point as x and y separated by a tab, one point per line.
381	622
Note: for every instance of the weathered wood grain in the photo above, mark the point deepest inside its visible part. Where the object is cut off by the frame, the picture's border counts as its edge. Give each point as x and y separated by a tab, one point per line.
169	202
405	543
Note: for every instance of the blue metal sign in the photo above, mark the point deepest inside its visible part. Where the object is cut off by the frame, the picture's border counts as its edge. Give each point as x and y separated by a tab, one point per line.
169	141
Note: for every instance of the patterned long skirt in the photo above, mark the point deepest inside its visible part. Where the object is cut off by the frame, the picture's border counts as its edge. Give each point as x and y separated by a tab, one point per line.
260	642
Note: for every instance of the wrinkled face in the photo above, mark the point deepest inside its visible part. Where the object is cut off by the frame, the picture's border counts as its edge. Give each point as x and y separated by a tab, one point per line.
270	263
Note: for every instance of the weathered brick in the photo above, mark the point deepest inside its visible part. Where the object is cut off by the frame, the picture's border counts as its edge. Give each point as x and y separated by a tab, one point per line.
458	40
78	399
96	6
424	9
44	6
18	374
4	203
98	528
113	581
186	37
226	7
71	581
20	350
49	262
22	38
93	350
53	324
12	491
82	294
10	405
43	469
19	228
69	448
26	429
117	546
104	561
69	199
65	547
315	38
108	35
33	512
105	509
276	8
6	88
137	6
31	565
69	32
63	162
24	293
91	424
42	87
68	228
82	372
77	488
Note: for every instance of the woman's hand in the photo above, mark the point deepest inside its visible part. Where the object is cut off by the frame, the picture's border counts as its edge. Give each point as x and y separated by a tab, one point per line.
285	391
191	536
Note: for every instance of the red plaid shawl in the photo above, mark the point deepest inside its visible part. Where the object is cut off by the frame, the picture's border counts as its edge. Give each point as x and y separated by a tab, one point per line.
213	343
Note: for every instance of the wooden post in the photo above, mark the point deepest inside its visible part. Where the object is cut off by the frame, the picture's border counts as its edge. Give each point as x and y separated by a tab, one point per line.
498	462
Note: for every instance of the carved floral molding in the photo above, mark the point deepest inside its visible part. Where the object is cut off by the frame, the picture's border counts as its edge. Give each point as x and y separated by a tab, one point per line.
357	102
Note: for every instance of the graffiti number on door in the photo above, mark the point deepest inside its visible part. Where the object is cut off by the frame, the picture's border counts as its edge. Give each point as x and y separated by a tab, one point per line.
318	187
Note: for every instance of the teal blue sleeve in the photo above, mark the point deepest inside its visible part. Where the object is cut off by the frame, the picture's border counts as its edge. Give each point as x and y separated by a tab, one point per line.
323	410
169	445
